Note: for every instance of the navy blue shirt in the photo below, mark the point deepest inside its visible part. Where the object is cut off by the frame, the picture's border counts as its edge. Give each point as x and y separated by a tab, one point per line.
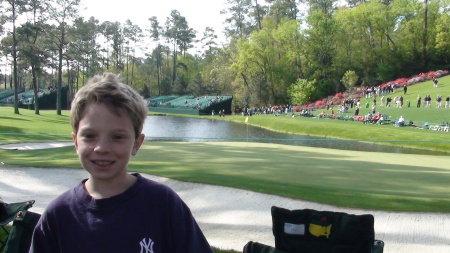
149	217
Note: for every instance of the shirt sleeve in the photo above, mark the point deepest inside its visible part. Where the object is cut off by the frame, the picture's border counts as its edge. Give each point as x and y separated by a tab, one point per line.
43	240
186	232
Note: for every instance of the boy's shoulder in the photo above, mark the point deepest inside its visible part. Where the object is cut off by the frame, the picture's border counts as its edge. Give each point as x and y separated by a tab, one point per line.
62	202
149	187
77	197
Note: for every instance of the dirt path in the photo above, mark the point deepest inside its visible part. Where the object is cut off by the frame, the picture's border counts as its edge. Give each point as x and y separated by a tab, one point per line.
231	217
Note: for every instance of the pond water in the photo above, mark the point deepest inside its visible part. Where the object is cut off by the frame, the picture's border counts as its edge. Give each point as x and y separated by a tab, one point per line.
172	128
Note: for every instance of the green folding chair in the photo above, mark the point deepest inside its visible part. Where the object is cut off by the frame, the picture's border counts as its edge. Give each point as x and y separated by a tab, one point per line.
312	231
16	225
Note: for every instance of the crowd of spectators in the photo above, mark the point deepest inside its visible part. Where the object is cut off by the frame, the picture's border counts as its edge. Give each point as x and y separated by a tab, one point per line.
276	110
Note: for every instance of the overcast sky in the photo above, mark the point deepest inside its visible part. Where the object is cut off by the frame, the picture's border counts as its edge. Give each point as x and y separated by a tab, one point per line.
198	13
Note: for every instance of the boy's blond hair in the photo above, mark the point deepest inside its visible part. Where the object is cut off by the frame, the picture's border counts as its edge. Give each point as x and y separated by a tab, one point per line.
108	89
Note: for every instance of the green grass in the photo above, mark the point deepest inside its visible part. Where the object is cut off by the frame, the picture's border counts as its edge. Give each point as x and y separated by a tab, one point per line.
369	180
29	127
217	250
407	137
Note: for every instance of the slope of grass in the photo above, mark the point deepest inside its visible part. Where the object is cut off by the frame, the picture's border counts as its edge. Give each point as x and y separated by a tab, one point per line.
420	115
29	127
407	137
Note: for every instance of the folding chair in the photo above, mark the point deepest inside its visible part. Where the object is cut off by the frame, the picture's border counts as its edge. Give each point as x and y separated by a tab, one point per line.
17	223
311	231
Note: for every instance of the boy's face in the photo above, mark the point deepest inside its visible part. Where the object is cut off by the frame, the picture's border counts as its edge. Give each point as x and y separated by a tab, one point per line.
105	141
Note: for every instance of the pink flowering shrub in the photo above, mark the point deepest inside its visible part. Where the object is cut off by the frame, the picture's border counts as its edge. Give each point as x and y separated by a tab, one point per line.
339	95
440	73
401	81
319	103
297	108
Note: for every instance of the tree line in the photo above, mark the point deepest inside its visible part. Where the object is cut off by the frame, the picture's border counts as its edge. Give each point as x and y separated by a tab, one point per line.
277	51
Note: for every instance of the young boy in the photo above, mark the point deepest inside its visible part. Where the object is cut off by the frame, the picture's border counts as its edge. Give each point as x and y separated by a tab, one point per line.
112	210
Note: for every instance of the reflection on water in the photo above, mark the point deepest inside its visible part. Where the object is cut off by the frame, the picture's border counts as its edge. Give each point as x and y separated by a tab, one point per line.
170	128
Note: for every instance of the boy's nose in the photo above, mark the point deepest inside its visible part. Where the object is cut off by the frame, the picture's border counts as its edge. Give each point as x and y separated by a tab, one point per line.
102	146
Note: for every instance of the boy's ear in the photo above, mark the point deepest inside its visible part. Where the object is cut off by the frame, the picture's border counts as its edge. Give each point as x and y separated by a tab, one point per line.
137	144
74	139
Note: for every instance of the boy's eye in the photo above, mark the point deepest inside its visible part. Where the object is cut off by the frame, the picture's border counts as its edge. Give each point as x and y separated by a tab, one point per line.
118	137
88	136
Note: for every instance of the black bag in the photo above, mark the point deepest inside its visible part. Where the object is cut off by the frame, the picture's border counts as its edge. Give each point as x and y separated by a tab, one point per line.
311	231
254	247
23	222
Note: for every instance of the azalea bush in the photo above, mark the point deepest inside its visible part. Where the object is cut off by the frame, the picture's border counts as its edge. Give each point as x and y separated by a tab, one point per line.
319	103
401	81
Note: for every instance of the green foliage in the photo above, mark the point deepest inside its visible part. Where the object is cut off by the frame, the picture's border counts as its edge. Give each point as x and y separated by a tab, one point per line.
301	92
384	72
270	47
349	79
443	34
267	62
145	92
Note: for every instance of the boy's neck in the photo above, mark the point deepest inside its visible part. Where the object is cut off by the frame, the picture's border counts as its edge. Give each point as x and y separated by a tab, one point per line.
101	189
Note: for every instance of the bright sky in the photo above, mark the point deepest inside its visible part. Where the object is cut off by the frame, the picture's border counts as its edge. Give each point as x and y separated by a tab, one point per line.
198	13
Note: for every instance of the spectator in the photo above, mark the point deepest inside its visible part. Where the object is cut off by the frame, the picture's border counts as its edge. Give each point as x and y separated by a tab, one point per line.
438	101
114	210
400	121
435	82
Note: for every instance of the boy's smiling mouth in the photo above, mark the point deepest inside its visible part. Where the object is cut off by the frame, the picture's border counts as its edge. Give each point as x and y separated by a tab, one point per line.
103	163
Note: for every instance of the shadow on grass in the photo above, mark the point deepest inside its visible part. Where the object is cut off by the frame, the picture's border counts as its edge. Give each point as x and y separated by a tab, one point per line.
13	118
368	180
342	178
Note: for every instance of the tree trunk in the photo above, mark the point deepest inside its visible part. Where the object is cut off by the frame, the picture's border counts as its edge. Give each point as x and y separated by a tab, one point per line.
16	79
69	84
59	84
425	36
132	70
174	70
60	62
258	15
35	88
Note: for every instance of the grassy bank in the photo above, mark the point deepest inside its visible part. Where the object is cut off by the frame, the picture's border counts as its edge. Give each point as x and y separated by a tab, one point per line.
29	127
407	137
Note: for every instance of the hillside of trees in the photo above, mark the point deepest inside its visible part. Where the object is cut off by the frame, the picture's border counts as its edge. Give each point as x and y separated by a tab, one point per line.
277	51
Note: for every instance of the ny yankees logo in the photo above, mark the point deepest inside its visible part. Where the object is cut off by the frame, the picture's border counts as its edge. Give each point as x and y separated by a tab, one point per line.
146	247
